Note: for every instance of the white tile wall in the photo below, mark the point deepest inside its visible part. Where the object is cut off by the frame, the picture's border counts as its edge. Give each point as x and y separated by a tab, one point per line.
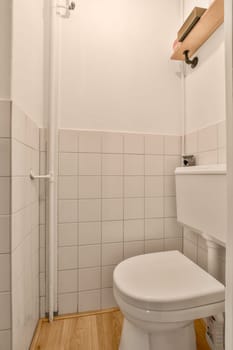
209	147
24	230
116	200
5	226
208	144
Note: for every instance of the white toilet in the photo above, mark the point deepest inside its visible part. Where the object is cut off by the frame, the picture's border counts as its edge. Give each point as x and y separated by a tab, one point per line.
161	294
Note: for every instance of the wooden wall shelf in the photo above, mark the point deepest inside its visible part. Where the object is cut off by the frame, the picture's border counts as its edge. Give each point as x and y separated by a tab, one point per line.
206	26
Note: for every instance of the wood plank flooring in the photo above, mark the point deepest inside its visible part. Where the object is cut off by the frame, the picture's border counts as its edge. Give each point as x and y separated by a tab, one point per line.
90	331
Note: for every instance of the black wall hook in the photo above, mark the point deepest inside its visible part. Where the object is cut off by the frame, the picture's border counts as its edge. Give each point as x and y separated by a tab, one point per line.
193	62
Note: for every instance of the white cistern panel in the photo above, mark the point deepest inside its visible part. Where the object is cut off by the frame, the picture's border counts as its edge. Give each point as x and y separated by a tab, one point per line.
201	197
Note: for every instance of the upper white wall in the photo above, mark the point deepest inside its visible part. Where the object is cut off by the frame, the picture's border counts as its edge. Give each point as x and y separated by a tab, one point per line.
27	62
205	85
115	68
5	48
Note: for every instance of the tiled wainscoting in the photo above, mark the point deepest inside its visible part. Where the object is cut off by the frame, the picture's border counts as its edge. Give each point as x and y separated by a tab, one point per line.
5	232
208	144
19	228
116	199
25	229
209	147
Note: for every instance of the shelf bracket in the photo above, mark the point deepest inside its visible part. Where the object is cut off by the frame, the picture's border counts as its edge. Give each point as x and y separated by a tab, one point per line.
193	62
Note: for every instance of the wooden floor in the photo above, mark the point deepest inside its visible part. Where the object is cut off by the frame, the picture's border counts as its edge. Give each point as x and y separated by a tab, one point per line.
90	331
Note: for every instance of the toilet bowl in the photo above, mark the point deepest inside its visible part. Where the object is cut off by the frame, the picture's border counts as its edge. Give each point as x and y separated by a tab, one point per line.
160	295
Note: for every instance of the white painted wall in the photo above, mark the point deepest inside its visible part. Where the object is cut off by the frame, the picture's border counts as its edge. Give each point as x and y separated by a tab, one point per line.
27	62
205	85
5	48
115	68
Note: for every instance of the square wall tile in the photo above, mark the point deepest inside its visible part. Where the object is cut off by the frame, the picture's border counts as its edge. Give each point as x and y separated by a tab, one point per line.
134	186
112	164
89	187
107	298
173	244
190	250
134	208
210	157
89	301
5	119
89	279
169	186
90	141
107	276
68	187
202	259
5	272
112	254
112	142
154	144
68	141
133	249
154	246
67	281
68	303
4	234
172	145
154	207
171	163
68	211
134	143
89	233
112	209
154	229
5	307
68	234
5	157
154	186
172	228
5	195
170	207
68	164
5	340
67	258
154	165
89	256
89	164
133	164
190	235
133	230
89	210
112	231
112	186
208	139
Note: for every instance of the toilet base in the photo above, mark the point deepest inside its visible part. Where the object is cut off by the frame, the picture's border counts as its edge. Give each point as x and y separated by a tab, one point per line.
137	339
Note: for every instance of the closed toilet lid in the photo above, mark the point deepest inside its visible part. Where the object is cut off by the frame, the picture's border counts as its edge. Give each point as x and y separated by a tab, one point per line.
166	281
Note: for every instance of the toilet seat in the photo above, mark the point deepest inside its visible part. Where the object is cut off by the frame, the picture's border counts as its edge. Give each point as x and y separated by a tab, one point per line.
165	282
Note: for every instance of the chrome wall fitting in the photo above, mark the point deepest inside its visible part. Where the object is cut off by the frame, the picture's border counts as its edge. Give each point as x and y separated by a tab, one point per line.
189	160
